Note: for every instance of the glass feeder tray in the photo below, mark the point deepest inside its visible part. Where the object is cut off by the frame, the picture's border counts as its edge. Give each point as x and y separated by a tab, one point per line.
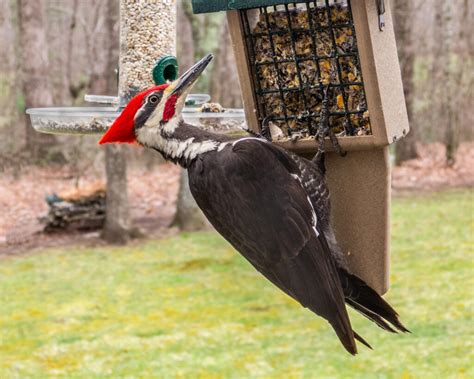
230	121
72	120
96	120
193	99
101	99
196	99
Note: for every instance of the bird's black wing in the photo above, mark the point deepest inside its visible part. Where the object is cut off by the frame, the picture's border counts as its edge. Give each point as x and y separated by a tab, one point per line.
252	195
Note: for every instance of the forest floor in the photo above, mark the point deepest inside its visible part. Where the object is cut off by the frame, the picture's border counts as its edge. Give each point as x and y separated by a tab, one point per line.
153	193
430	173
189	306
152	197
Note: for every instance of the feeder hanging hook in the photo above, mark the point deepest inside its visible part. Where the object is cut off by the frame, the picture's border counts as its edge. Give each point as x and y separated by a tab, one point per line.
381	13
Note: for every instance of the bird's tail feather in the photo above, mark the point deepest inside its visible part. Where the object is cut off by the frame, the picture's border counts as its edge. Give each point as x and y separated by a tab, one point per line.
361	340
348	341
346	337
369	303
371	316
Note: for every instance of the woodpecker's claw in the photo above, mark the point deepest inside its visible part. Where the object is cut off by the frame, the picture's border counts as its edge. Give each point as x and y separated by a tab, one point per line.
336	145
265	132
324	129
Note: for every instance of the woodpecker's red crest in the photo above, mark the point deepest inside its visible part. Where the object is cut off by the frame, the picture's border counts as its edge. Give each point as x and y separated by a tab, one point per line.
123	128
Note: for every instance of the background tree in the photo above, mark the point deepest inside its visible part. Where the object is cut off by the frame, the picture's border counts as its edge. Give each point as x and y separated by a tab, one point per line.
225	81
457	73
445	61
35	74
462	78
188	215
117	228
185	40
8	83
406	148
444	74
7	59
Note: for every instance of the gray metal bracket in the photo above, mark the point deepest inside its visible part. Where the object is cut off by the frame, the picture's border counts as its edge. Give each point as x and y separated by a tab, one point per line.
381	12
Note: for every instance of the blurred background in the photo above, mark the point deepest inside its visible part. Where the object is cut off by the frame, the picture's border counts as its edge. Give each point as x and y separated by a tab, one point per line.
177	301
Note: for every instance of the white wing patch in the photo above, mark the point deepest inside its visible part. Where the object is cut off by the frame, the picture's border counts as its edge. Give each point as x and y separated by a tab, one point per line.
196	148
314	218
248	138
222	145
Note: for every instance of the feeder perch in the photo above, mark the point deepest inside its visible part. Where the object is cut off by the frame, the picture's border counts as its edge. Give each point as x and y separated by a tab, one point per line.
288	53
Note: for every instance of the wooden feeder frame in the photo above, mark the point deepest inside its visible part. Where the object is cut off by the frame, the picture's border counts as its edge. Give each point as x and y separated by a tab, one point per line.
360	182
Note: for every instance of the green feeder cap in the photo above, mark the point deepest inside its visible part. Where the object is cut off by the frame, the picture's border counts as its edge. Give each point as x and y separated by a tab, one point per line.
165	70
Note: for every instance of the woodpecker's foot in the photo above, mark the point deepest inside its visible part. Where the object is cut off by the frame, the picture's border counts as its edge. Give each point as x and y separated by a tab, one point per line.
324	129
266	132
335	144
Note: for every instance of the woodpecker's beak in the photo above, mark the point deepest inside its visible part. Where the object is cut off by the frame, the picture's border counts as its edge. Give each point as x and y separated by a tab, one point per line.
186	81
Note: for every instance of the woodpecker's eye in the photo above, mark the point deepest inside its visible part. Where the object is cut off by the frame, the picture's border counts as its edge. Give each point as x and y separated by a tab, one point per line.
153	99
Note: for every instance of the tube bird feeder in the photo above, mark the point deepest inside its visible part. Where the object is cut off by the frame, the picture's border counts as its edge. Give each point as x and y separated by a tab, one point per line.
147	45
146	58
288	54
147	34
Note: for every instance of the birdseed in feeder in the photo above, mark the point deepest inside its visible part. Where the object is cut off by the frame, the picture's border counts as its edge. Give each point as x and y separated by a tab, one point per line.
148	32
226	121
96	125
297	51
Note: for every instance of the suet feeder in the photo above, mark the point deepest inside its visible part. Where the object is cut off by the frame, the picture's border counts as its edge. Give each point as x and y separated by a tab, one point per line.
288	54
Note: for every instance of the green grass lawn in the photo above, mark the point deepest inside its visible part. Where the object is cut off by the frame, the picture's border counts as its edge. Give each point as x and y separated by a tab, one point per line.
189	306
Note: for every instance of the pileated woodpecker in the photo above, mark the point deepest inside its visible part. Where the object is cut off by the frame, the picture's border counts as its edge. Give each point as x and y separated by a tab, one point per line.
270	204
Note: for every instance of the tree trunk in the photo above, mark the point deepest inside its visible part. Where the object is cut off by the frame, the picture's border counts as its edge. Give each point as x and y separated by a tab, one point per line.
225	88
112	22
462	81
188	215
447	106
36	83
7	52
7	60
185	41
117	227
117	217
406	149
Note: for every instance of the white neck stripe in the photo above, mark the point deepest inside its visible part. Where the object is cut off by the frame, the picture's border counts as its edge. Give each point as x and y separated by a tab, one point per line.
174	148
